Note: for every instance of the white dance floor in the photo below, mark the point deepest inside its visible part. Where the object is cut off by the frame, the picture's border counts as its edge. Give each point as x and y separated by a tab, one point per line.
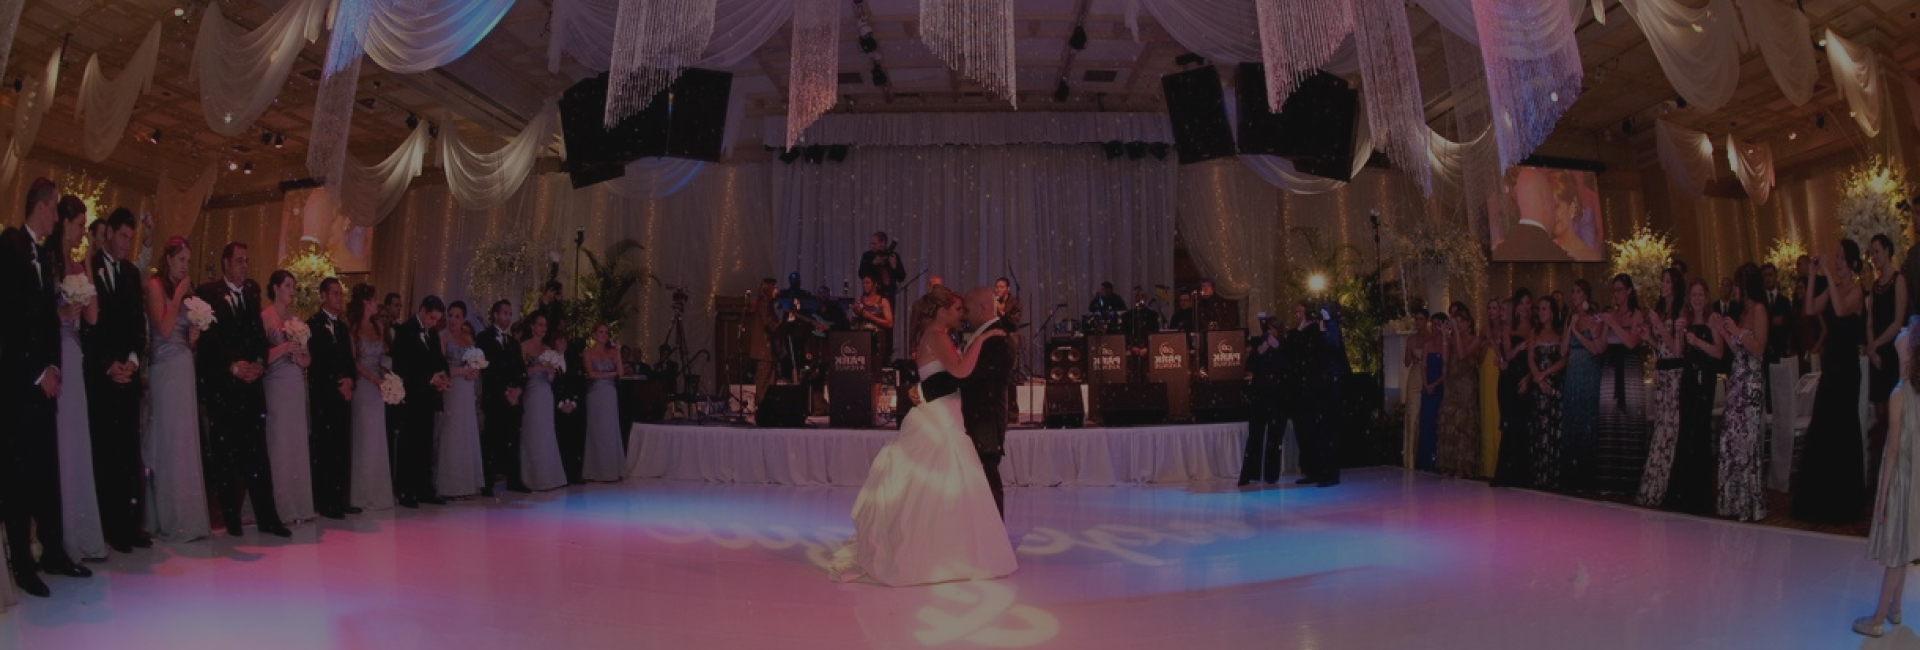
1035	457
1389	559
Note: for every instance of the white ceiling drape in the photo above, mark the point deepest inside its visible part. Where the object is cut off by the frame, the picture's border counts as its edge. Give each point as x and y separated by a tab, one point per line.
483	179
105	105
1698	47
1856	70
368	194
1449	159
1686	154
583	30
415	36
1753	165
1223	31
241	72
1533	70
1781	33
36	96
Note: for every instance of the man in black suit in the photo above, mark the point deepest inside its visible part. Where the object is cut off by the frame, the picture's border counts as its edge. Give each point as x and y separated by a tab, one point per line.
500	385
114	345
30	385
230	360
882	263
1779	315
330	402
984	393
1530	239
421	362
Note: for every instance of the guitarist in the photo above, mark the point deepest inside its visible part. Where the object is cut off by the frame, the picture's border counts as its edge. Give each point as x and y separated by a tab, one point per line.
801	324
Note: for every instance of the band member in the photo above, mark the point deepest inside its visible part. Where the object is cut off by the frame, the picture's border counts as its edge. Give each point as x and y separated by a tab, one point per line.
1215	312
760	337
1106	301
882	263
1183	318
873	311
1139	323
1005	304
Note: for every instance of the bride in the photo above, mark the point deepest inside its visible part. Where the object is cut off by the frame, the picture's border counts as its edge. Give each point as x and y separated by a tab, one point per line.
925	514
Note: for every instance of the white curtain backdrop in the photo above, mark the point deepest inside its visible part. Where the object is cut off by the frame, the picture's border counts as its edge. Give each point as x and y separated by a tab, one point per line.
1229	221
583	30
1753	165
481	180
419	35
1686	154
1449	159
36	96
1056	219
1698	47
935	129
372	192
241	72
106	105
1782	32
1856	70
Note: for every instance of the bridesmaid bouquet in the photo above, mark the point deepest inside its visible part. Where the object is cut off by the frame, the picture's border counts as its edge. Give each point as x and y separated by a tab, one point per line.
199	313
392	390
296	331
474	358
552	359
77	289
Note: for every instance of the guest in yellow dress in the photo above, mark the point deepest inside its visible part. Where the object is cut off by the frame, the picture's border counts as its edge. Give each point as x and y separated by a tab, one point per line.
1493	341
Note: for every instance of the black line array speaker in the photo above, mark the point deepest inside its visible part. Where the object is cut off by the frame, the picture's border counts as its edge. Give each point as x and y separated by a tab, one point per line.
1197	107
1126	405
686	120
1314	127
783	407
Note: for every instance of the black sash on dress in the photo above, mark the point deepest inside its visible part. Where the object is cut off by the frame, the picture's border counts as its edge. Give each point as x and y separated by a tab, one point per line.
1616	357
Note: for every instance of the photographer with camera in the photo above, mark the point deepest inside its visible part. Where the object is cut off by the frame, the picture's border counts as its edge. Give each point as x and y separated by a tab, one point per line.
882	263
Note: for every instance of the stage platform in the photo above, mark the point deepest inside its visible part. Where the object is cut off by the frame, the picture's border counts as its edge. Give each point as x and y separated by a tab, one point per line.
729	453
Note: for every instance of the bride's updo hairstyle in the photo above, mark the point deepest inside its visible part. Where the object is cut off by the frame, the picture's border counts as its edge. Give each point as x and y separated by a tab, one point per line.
928	307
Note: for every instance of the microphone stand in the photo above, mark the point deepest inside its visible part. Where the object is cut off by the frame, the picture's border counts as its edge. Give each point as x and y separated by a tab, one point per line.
1026	360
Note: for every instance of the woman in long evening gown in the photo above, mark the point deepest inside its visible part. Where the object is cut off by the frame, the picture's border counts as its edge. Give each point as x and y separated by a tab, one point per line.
1547	361
1894	540
540	466
1459	444
1743	495
1886	311
457	469
925	514
1580	390
1831	487
1433	394
79	503
286	387
371	484
1621	433
1514	466
1662	327
1690	481
173	430
603	458
1490	339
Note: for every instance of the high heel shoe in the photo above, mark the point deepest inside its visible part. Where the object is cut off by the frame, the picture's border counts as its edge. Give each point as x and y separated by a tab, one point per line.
1862	627
1893	617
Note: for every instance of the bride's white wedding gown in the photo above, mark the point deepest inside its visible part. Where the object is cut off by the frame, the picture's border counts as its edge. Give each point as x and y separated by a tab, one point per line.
925	514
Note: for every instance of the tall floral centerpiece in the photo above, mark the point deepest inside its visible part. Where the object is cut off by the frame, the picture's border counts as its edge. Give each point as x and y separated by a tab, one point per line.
501	263
309	263
1642	257
1438	257
1869	204
1784	256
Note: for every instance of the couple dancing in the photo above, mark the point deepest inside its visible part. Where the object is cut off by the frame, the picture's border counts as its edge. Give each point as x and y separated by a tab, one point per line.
931	509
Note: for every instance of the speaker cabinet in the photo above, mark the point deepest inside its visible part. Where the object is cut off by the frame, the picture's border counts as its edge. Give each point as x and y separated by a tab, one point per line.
1067	361
1197	108
1220	401
686	120
1314	127
1127	405
1064	408
783	407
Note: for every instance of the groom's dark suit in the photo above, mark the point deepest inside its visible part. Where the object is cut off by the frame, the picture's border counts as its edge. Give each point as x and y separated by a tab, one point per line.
29	453
417	357
983	406
500	431
236	409
113	408
329	412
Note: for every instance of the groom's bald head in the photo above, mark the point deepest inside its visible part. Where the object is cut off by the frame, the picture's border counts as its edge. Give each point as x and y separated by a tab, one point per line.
980	307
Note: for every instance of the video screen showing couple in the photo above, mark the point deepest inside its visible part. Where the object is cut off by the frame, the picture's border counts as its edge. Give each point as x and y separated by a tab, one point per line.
1546	215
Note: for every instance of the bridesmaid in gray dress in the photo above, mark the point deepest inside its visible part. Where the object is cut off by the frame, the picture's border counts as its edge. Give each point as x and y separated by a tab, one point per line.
371	485
540	467
173	429
79	503
604	458
457	469
286	386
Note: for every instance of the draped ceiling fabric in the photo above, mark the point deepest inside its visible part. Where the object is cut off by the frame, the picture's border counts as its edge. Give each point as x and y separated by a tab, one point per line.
1856	70
1223	31
1533	70
1913	98
241	72
583	31
9	23
1456	16
1390	83
1686	154
1698	47
105	105
1753	165
177	209
1450	160
933	129
370	193
480	180
1228	219
36	96
1781	32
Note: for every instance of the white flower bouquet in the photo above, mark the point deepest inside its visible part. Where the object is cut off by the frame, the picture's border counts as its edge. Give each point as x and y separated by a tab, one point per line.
392	390
199	313
77	289
552	359
474	358
296	331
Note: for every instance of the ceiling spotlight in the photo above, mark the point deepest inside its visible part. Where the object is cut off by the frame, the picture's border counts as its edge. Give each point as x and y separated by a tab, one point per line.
1114	149
879	75
179	12
1680	102
1158	149
1820	121
1189	59
155	137
1078	40
1793	136
1820	44
247	168
17	83
266	138
231	165
1697	28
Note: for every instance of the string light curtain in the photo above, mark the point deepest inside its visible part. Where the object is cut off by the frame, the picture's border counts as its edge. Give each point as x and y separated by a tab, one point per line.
1390	82
814	84
1753	165
1856	70
1296	38
482	180
36	96
105	105
653	40
1686	154
1698	48
1781	33
241	72
1533	70
975	39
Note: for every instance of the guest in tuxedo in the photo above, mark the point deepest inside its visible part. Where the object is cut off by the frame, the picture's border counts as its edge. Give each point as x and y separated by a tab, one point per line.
1728	305
984	394
115	345
569	397
1779	315
30	370
232	360
1267	426
1530	239
500	386
882	263
421	362
329	399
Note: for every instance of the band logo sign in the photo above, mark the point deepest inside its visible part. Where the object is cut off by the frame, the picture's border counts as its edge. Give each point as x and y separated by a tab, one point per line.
1225	355
850	359
1105	359
1165	357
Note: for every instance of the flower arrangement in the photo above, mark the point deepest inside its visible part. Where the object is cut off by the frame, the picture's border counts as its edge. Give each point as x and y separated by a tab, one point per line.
552	359
1784	256
1869	201
500	263
296	331
474	358
392	390
77	289
199	313
1642	257
92	193
1455	255
309	263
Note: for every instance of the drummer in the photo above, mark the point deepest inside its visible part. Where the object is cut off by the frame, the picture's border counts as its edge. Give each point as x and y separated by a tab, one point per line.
1105	301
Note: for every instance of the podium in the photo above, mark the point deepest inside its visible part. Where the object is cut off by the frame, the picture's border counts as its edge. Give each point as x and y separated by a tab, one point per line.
1167	363
850	379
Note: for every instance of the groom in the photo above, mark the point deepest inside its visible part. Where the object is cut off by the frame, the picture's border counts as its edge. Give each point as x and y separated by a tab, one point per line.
231	360
983	394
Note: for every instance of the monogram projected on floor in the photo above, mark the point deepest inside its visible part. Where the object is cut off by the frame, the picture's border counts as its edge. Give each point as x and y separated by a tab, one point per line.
1122	540
985	604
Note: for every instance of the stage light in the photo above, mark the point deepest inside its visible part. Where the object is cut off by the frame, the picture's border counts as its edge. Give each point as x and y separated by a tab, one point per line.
247	168
1793	136
1079	39
790	155
1136	150
266	138
1061	91
279	140
1820	121
1158	149
1114	149
816	153
837	153
179	12
155	137
1317	282
232	166
412	121
1679	102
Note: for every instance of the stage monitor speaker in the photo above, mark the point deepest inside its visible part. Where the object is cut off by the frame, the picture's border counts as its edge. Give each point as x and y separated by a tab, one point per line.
850	379
1066	361
686	120
1064	408
1314	128
1220	401
1127	405
1197	108
783	407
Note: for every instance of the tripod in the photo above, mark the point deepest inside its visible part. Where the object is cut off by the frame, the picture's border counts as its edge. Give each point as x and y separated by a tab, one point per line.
685	384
